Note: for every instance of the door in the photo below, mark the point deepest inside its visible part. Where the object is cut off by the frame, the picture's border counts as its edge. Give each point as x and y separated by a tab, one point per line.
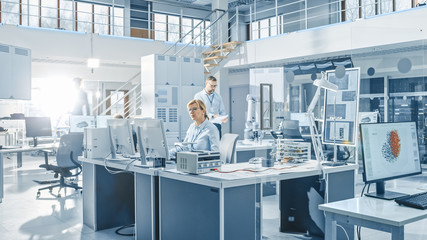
238	109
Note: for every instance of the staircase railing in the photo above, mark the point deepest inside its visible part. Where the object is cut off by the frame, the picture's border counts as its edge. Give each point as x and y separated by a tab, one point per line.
135	99
100	104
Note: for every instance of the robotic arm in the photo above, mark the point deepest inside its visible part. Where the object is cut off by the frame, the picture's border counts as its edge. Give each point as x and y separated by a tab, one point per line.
251	124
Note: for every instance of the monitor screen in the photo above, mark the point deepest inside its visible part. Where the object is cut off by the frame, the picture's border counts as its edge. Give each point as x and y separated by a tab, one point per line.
151	139
38	127
101	120
121	139
390	151
79	122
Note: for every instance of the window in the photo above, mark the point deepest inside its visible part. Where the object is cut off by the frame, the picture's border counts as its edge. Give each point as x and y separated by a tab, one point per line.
101	17
84	17
173	28
403	4
118	23
160	27
10	12
66	15
264	28
352	9
186	27
49	13
255	30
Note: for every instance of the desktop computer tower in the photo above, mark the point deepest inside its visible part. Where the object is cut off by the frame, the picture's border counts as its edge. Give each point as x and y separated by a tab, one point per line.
299	200
96	143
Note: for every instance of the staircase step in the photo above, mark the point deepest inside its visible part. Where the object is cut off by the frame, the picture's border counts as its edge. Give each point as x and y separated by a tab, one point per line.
210	65
219	51
227	44
214	58
207	72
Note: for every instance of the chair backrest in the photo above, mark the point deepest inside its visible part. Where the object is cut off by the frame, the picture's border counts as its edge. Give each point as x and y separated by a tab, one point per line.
227	147
72	142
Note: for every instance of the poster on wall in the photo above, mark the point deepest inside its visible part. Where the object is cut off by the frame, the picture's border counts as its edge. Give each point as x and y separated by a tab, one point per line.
341	108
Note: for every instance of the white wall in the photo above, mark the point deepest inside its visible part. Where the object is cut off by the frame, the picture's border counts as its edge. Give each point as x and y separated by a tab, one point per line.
64	53
333	40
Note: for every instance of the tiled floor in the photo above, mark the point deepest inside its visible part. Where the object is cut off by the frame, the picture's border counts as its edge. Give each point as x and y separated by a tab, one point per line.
22	216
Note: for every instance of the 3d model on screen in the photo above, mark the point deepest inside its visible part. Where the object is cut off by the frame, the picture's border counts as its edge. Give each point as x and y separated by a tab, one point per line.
391	148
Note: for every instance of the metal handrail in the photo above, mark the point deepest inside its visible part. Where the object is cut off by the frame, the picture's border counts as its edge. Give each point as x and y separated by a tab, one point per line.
127	94
204	30
118	89
180	40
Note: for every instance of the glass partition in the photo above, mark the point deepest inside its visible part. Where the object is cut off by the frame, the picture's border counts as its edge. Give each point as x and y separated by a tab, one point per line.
393	75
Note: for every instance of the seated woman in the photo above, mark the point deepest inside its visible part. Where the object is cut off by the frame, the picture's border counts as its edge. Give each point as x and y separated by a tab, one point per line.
202	134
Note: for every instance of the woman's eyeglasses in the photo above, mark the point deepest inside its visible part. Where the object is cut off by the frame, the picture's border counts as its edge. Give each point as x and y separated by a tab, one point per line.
193	109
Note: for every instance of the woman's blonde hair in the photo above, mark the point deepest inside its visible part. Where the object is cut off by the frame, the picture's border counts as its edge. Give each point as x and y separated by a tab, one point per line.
200	104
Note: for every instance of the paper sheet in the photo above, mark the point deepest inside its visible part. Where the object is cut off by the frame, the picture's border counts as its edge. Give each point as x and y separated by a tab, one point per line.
219	119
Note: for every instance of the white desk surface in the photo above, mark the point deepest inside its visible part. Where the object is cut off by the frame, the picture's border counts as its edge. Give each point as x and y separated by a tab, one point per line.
247	146
29	148
377	210
241	178
121	165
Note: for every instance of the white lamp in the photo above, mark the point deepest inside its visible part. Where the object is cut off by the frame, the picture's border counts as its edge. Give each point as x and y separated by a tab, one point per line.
321	83
93	62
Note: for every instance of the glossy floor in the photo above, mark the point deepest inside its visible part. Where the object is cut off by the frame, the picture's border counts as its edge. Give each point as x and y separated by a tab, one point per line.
23	216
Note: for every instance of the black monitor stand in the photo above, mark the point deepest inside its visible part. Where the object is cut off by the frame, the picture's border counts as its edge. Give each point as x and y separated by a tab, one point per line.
383	194
35	141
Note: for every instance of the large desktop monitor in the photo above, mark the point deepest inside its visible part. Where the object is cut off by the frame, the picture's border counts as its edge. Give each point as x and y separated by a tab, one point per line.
37	127
121	140
152	141
390	151
79	122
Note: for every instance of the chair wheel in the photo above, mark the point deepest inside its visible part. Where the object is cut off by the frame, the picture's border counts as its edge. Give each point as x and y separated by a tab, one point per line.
38	194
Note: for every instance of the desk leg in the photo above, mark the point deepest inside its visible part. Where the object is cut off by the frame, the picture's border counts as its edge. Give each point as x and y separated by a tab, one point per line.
1	177
331	227
19	159
397	233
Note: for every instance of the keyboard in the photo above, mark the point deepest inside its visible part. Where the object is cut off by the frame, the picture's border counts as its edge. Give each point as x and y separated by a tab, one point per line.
418	200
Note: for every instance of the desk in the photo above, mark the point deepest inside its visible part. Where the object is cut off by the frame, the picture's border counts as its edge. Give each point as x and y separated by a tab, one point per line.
19	152
229	206
372	213
113	200
245	151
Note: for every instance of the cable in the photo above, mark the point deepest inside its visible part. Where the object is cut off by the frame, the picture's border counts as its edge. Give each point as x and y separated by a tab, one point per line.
344	231
124	227
120	171
254	171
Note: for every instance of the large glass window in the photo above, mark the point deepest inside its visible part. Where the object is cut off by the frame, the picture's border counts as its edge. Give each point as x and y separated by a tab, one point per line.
173	28
49	13
118	21
66	15
186	27
10	12
84	17
101	17
403	4
160	27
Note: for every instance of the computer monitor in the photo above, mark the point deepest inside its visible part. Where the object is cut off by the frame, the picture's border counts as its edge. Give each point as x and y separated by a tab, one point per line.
37	127
121	140
390	151
79	122
152	141
101	121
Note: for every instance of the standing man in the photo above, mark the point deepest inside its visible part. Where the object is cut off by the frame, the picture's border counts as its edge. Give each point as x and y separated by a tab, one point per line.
213	101
81	103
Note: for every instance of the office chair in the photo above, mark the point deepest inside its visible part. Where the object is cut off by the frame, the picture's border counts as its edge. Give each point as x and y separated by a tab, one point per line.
227	147
70	147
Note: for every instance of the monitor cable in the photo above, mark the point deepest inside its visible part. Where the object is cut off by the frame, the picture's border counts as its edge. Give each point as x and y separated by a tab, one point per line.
125	227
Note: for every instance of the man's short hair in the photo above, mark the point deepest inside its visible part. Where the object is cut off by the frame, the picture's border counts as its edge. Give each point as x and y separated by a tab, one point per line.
211	78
